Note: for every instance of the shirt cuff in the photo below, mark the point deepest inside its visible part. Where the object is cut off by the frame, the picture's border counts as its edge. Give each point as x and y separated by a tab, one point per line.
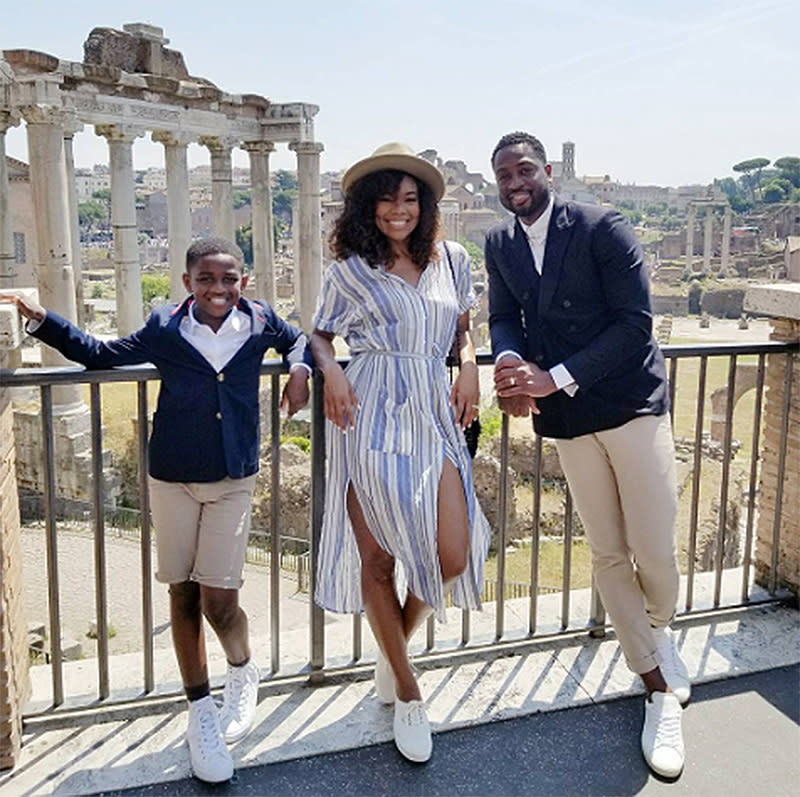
563	379
33	324
295	366
508	351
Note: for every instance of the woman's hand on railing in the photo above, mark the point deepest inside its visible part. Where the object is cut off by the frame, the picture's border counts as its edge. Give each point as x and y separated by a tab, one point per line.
341	403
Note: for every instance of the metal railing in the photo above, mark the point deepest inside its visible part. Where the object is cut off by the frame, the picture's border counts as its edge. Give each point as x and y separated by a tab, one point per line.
317	667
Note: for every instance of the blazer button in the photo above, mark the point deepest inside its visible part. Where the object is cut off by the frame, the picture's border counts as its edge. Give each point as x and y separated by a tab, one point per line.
566	303
220	377
525	296
539	358
572	327
219	416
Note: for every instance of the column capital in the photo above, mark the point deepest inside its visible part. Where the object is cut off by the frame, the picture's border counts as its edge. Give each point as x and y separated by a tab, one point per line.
171	138
306	147
53	115
218	144
119	132
8	119
258	147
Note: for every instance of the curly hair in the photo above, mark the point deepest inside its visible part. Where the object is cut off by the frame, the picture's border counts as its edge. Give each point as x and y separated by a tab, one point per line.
355	232
213	246
519	137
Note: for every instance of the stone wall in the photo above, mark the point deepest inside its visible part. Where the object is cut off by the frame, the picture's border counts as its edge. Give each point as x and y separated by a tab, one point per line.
789	549
14	684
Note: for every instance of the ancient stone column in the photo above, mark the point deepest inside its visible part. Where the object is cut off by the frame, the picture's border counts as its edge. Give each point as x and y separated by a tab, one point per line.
221	184
45	128
726	243
690	217
179	216
263	249
308	260
127	270
8	270
74	126
708	228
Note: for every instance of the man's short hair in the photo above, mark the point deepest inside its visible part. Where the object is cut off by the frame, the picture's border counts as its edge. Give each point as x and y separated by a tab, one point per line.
520	137
213	246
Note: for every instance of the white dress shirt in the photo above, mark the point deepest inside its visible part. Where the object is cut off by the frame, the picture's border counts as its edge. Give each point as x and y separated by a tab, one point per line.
537	239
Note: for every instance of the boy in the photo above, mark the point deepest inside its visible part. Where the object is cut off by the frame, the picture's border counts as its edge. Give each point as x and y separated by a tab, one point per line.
203	457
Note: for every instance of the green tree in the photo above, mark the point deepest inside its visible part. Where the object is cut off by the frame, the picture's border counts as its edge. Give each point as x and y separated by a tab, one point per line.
474	251
90	213
776	189
154	286
244	239
282	204
789	168
241	198
747	167
285	181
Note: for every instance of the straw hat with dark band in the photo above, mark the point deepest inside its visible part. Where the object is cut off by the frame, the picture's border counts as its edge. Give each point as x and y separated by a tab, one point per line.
399	156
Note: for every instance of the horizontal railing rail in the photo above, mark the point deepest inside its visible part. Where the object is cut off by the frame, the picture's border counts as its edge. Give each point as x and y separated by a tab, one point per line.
699	360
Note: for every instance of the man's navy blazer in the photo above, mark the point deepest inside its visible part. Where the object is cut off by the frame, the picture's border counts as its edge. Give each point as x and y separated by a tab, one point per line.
206	424
591	312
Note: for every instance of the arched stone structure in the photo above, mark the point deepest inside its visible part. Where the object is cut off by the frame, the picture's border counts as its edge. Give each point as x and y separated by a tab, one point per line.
746	379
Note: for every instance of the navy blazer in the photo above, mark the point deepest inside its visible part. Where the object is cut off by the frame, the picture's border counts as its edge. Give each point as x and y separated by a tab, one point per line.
592	313
206	424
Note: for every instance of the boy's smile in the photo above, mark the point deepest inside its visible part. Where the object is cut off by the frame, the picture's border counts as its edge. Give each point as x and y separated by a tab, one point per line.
216	282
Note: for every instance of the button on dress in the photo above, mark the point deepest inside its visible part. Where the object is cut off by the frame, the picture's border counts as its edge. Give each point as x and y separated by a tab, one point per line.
399	336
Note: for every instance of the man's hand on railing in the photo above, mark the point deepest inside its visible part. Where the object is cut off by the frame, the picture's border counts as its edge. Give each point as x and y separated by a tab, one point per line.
26	307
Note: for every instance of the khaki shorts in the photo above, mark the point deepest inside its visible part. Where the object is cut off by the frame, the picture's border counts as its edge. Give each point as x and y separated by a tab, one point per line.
201	530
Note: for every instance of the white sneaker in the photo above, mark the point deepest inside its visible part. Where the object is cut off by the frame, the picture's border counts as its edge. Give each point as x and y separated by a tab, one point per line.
384	679
672	666
662	737
210	759
412	731
239	700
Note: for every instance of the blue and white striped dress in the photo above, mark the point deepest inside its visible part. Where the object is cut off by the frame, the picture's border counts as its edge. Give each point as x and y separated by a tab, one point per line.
399	336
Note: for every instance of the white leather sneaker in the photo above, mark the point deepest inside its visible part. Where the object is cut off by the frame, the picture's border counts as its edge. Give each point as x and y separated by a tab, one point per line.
210	758
672	666
239	700
384	679
412	731
662	736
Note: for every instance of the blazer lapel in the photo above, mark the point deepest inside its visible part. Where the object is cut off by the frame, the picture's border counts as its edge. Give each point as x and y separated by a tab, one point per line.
558	237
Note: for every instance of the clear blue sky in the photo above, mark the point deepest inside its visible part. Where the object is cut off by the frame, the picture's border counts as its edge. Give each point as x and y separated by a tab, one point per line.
650	91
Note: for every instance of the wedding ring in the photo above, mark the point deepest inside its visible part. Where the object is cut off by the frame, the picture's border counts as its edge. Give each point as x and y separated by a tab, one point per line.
476	406
513	382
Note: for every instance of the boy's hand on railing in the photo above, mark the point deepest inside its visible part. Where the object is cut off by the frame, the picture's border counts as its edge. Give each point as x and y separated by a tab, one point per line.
26	307
295	394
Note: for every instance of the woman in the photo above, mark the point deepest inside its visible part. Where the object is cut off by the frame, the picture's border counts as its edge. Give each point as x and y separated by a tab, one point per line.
401	515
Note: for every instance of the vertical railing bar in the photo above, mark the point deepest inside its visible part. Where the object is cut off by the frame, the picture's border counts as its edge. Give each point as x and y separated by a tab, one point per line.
502	520
753	482
465	626
533	606
53	598
145	542
274	521
430	633
357	637
673	382
317	619
726	471
597	613
696	470
98	510
567	568
784	446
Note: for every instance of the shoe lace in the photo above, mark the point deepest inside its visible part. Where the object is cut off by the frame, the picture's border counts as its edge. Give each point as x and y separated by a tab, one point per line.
668	731
415	715
209	731
238	685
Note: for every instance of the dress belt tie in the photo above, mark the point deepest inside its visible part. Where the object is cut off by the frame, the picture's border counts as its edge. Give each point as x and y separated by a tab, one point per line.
405	355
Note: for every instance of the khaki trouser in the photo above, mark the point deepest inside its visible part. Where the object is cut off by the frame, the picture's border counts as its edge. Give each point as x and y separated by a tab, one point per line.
624	487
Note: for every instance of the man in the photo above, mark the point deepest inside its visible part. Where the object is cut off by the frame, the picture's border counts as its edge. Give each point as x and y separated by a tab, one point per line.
570	321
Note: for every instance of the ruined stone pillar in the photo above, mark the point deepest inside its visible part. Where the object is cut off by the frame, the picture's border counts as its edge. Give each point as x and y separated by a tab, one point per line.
179	215
690	217
14	683
70	129
726	243
263	244
8	269
127	271
308	260
45	128
782	303
708	228
221	184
